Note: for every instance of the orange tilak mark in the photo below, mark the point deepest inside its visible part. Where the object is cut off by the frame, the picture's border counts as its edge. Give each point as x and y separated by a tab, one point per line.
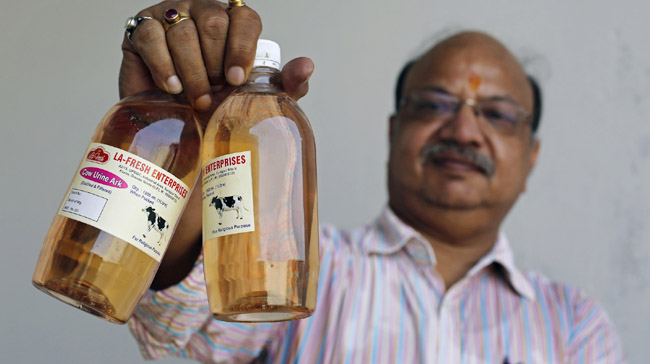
474	82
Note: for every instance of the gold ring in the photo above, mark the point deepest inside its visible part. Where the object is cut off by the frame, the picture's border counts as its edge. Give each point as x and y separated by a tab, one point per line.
173	17
235	3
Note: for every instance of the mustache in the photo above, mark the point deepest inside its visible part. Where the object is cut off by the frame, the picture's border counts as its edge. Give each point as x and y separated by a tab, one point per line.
483	162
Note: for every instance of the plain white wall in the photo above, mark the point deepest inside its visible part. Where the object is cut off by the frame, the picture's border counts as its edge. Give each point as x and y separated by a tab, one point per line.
584	220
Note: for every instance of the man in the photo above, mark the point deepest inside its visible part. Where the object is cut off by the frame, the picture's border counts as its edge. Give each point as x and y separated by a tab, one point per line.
432	280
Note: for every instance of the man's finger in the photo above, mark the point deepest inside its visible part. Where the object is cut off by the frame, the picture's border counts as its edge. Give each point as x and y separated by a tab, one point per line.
185	48
295	77
245	29
149	41
212	22
134	74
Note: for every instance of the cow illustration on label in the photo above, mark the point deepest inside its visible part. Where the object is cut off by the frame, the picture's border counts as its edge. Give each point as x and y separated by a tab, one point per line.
156	222
227	204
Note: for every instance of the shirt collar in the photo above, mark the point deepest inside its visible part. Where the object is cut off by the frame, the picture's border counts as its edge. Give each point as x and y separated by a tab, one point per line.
395	235
501	254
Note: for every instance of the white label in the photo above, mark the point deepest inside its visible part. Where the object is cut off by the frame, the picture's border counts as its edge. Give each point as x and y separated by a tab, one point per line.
126	196
228	196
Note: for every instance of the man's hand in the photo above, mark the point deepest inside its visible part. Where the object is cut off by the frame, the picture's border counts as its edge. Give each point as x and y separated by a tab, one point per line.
201	56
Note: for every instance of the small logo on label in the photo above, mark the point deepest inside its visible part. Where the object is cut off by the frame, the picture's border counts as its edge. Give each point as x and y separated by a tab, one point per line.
98	155
102	176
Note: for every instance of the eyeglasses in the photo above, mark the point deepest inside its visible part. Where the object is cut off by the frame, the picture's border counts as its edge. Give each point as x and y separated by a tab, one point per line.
501	113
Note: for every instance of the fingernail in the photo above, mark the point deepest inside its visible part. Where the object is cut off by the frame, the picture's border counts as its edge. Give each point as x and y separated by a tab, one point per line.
203	102
174	85
235	75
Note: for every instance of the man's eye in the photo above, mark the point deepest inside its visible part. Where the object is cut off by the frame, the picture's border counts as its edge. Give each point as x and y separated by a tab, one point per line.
501	116
432	106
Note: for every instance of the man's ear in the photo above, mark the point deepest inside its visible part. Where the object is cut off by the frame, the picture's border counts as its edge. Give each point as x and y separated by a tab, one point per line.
534	152
392	126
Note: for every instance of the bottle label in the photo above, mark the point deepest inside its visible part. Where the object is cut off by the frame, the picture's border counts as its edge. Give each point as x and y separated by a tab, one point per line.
127	197
228	196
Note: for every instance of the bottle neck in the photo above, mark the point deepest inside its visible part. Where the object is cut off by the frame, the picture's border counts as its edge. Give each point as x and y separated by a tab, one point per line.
264	79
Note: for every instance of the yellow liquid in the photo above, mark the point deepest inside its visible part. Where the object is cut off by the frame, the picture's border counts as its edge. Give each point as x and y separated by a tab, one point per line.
109	282
258	276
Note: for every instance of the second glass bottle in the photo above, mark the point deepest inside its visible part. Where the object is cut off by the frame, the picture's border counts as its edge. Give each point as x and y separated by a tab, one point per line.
260	204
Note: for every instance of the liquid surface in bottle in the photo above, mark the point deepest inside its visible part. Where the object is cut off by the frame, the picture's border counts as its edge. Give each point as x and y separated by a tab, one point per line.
271	273
92	269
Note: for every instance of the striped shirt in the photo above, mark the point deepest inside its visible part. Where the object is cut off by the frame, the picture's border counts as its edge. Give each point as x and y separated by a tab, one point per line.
381	300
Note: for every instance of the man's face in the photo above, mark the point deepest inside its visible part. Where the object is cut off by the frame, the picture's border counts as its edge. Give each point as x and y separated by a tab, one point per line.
423	178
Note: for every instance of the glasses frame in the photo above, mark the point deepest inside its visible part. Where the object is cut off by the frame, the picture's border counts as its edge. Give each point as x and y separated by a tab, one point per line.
523	116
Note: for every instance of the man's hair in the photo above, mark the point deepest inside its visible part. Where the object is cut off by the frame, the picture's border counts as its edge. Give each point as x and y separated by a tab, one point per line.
537	94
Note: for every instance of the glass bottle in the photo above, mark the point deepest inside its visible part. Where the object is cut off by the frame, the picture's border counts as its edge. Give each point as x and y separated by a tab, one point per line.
260	205
122	207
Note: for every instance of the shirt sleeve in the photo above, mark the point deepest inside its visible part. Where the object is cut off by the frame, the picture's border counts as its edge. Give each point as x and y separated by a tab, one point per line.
177	321
593	337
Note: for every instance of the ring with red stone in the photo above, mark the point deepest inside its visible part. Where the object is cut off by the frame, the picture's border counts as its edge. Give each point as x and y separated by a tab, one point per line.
235	3
173	17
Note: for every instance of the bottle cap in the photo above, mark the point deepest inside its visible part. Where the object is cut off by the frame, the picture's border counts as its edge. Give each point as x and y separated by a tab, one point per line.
267	54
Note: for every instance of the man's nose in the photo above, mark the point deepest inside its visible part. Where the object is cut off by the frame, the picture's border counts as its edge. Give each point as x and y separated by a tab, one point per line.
464	127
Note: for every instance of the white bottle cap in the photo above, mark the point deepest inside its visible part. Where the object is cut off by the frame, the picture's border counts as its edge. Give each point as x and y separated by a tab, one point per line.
267	54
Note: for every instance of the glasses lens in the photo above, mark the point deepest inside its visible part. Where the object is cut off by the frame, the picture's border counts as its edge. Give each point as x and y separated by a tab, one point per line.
502	114
431	105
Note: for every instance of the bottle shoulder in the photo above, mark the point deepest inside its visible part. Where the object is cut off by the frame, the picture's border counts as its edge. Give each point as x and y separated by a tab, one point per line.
245	111
157	97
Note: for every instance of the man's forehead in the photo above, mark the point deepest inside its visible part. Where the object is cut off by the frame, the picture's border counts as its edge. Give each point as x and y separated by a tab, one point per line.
471	60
